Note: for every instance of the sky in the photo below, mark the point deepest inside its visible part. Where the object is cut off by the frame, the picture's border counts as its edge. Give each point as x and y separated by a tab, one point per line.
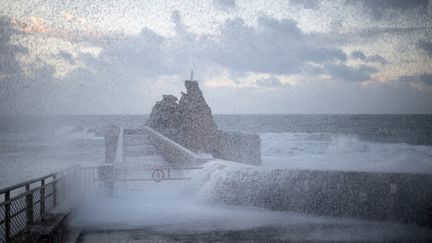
285	57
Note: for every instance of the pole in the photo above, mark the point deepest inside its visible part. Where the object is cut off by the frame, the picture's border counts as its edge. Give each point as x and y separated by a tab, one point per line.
42	198
7	217
29	205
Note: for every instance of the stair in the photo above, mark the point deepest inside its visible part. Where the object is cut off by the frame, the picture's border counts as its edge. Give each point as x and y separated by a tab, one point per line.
138	150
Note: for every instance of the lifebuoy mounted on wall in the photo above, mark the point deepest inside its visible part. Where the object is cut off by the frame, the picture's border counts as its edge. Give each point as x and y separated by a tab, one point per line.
158	175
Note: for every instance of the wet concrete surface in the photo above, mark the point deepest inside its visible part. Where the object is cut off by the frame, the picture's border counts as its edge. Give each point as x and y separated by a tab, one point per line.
292	233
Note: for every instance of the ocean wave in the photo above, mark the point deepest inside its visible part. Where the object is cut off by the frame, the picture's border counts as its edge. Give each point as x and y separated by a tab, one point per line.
324	151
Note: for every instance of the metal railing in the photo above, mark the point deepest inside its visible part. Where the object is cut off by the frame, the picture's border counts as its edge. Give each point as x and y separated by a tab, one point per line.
28	202
25	204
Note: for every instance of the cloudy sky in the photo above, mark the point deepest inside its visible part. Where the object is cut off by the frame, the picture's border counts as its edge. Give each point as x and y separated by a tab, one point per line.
292	56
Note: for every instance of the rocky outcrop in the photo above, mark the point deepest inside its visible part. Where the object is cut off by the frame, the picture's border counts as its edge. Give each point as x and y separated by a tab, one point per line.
190	123
197	130
165	117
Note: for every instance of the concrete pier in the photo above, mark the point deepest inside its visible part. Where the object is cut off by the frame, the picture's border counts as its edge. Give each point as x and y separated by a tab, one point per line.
399	197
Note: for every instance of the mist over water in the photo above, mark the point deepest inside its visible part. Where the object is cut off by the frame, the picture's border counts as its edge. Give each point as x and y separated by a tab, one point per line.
324	151
286	69
192	207
409	129
36	145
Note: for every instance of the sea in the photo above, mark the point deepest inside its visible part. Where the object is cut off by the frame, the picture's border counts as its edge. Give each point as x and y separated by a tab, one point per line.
33	145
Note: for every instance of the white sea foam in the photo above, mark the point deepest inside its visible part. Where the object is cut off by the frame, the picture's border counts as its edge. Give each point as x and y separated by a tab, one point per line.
186	206
321	151
27	155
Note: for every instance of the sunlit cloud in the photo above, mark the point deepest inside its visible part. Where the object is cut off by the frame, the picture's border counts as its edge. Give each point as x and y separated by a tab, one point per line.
286	46
32	24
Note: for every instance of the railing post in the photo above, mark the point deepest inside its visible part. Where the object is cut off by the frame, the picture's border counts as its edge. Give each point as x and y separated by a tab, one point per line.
29	205
7	217
54	190
42	198
106	174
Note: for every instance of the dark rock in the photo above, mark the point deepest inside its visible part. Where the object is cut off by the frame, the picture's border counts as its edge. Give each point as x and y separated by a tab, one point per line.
190	123
164	117
197	128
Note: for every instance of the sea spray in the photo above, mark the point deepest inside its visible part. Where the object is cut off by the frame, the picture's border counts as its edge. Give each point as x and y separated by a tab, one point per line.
322	151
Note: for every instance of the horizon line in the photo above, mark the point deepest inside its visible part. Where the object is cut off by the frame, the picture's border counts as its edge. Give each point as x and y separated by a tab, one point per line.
146	114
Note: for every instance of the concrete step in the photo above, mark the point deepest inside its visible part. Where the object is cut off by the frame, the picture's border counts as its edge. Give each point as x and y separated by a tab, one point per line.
135	139
139	150
144	159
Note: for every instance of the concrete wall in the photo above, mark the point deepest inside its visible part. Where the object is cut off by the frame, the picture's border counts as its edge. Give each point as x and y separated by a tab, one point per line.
374	196
239	147
171	151
111	135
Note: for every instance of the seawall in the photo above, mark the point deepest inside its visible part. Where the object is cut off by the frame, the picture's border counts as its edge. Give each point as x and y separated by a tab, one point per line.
373	196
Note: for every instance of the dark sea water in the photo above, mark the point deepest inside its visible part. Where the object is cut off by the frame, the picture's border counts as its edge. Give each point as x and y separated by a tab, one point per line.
32	146
35	145
409	129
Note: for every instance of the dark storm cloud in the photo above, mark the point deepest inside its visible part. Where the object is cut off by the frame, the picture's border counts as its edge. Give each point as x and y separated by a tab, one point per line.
359	55
378	7
373	34
424	79
131	62
274	46
140	54
307	4
224	4
346	73
20	92
66	56
377	59
271	82
122	61
10	69
426	47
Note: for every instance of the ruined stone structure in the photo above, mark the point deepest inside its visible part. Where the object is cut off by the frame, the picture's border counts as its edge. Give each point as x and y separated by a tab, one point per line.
165	117
190	123
197	130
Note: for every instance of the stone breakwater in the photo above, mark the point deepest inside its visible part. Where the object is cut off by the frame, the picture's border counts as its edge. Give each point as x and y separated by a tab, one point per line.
379	196
190	123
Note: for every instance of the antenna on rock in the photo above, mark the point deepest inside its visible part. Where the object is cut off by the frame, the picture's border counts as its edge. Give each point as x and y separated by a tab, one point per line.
191	76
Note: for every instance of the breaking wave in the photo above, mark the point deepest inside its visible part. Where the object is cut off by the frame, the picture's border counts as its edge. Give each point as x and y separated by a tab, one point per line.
325	151
25	155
